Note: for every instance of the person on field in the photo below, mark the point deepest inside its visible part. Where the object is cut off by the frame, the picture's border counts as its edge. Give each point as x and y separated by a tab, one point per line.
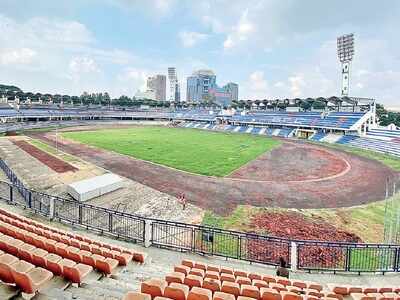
183	202
282	269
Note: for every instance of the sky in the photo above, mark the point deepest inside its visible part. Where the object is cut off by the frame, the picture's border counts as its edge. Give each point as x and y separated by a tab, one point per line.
271	48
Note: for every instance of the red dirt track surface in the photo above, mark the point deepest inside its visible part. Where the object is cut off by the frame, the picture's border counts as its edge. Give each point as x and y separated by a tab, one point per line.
295	175
52	162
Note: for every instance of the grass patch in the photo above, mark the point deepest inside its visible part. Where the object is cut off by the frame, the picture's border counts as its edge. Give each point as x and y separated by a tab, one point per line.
238	220
51	150
192	150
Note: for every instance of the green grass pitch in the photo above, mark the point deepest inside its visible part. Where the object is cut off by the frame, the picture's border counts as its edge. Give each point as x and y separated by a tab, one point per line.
192	150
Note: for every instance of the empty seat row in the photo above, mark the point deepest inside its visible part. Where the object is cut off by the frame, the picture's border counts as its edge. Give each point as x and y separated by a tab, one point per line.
23	274
70	269
73	239
230	274
45	245
345	290
178	291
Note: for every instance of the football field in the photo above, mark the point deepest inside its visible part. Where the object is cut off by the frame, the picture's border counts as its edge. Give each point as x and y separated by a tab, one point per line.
191	150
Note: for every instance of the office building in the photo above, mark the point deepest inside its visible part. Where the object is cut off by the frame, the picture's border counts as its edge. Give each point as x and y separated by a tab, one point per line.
174	89
157	84
202	86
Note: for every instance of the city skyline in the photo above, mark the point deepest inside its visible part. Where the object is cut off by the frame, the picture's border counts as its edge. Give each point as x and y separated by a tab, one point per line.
271	49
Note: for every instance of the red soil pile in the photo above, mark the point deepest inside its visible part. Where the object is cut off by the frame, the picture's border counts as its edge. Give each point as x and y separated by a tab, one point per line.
52	162
298	227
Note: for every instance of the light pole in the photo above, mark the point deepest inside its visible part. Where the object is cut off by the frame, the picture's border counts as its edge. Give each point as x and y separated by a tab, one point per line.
345	50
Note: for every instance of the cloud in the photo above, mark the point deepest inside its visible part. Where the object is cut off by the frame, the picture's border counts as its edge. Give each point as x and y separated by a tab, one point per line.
240	32
14	57
191	38
83	65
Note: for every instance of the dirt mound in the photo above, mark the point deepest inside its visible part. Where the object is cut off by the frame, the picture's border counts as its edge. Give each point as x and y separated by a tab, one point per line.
298	227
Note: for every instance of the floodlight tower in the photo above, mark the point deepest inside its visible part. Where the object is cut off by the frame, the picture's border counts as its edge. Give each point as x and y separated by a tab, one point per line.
345	49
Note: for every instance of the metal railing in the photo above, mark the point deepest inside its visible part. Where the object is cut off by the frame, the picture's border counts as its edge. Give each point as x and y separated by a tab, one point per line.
300	254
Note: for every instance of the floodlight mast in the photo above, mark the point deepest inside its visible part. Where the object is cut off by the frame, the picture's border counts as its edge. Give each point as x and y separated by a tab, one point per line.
345	49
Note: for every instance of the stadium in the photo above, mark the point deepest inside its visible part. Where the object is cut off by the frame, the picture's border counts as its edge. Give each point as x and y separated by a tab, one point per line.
153	197
312	187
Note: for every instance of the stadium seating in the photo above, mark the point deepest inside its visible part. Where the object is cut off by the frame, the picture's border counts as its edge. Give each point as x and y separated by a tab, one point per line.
318	136
193	280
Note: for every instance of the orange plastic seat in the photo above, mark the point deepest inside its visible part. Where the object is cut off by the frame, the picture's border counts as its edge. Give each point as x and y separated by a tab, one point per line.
300	284
25	252
355	289
136	296
74	254
367	290
193	280
270	294
339	289
211	284
123	258
361	296
282	280
50	245
212	274
53	263
6	261
277	286
259	283
269	278
250	291
187	262
175	277
197	272
223	296
61	249
31	281
21	266
240	273
314	286
182	269
256	276
77	273
105	264
153	287
39	257
197	293
230	288
213	268
176	291
200	265
137	255
87	258
227	277
290	296
385	290
13	245
39	241
243	280
226	270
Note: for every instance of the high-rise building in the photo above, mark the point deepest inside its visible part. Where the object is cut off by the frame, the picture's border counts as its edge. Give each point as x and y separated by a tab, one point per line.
199	85
174	91
233	89
202	86
157	84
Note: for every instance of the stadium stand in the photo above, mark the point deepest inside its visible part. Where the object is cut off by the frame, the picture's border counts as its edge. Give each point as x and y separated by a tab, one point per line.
31	253
193	280
318	136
